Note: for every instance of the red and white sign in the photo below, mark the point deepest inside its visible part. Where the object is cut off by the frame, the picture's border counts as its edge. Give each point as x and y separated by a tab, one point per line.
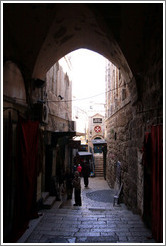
97	129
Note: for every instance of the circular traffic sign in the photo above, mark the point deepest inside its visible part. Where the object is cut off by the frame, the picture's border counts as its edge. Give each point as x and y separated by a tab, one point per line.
97	129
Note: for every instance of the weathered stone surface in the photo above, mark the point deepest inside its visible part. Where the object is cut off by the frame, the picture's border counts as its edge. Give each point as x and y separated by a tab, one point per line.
130	123
94	222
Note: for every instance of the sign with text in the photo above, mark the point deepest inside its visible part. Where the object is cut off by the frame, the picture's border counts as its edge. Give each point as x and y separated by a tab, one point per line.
97	120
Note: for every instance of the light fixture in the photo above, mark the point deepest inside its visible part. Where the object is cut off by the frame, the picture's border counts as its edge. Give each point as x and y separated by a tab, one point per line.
61	97
39	83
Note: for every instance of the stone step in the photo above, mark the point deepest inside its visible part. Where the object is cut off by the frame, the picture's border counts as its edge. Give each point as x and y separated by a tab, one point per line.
98	166
49	202
99	175
45	195
99	172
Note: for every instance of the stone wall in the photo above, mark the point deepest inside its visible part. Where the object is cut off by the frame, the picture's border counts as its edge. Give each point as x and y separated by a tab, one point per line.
58	90
118	147
125	133
141	108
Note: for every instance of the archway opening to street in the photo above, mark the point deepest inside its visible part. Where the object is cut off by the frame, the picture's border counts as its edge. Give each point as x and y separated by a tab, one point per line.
125	36
83	89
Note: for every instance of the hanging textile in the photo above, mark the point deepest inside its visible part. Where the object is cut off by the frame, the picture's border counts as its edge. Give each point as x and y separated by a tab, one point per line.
157	182
8	180
26	175
147	213
153	181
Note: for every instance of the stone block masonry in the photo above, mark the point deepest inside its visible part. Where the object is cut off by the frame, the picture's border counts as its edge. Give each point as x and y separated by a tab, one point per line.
125	135
97	221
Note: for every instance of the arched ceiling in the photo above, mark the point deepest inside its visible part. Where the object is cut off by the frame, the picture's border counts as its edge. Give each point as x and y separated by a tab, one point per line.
37	35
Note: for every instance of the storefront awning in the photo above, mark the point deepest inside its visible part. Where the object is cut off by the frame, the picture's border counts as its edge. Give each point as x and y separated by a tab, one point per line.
99	141
83	153
63	134
80	134
55	137
75	144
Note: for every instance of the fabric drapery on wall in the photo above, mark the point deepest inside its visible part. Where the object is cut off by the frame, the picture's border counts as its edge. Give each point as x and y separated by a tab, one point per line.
26	174
153	181
147	213
157	183
8	177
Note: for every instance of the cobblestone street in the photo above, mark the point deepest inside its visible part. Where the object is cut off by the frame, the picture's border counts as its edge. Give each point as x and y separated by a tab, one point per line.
97	221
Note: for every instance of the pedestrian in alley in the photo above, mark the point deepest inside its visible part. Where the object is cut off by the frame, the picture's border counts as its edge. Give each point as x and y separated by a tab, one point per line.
79	169
77	189
86	173
69	186
74	168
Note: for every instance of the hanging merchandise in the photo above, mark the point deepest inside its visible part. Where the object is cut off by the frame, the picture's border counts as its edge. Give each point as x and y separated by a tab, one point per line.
157	182
26	175
153	181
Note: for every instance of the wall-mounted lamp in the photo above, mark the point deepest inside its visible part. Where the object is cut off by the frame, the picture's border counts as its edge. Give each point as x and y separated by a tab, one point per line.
61	97
38	83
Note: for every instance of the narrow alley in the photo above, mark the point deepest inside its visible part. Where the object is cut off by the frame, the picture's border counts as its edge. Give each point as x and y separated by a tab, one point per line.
111	132
97	221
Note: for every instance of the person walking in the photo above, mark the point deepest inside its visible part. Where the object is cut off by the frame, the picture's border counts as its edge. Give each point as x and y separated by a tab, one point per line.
86	173
79	169
69	186
74	168
77	189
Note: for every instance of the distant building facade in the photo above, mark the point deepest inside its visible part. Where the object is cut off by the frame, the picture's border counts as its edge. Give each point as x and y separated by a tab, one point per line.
60	128
96	131
117	92
59	96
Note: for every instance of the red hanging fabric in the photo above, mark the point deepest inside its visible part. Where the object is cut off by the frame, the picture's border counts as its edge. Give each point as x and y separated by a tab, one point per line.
157	182
153	181
26	175
147	213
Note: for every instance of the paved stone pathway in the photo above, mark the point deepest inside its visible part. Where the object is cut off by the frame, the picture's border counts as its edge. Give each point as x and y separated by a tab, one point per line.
97	221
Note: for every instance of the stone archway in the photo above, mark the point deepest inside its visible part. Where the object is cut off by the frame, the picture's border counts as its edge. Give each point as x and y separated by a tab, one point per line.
74	27
129	35
38	34
42	33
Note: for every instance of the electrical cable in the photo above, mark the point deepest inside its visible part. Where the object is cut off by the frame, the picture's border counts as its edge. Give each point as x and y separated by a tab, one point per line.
80	99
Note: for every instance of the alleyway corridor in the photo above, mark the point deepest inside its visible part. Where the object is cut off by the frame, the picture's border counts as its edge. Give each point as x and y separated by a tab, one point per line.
97	221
